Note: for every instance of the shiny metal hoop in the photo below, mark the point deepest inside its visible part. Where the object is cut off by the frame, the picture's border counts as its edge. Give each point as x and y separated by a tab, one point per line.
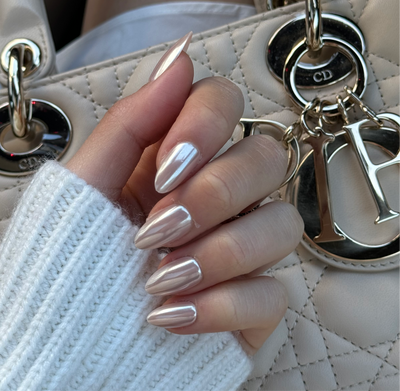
342	46
16	108
31	60
313	25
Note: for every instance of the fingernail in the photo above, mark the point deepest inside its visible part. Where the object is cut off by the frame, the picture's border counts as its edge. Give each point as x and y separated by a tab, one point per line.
173	315
176	166
163	227
174	277
170	56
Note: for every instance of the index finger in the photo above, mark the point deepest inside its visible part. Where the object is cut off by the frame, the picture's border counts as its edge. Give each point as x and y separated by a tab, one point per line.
108	157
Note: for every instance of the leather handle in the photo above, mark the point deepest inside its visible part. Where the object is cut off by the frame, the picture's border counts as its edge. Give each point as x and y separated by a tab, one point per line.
27	19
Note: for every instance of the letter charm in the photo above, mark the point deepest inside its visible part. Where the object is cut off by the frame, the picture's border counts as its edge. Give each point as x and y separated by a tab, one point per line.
319	145
370	169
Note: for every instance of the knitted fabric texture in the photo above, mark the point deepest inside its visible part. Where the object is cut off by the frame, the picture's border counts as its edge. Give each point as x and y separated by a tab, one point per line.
73	306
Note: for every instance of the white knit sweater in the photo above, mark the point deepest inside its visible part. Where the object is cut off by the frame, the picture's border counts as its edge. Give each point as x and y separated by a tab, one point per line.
73	306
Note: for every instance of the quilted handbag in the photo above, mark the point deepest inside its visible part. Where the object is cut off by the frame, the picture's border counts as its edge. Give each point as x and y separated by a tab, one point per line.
341	331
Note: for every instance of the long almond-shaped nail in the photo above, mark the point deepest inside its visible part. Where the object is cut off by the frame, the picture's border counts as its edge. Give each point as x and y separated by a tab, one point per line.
174	277
173	315
164	226
176	166
170	56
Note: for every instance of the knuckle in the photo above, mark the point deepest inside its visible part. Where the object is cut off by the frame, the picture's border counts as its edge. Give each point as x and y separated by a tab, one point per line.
271	153
276	296
216	115
232	91
221	100
217	191
117	114
230	308
293	224
235	251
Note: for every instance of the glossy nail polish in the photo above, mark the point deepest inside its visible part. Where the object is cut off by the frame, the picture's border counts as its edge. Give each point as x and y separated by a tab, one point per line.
176	166
170	56
173	315
174	277
166	225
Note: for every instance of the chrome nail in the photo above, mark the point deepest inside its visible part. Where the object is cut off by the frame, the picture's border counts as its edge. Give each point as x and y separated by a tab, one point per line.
174	277
170	56
173	315
166	225
176	166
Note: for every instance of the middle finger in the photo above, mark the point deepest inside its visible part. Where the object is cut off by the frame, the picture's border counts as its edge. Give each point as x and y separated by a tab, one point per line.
246	173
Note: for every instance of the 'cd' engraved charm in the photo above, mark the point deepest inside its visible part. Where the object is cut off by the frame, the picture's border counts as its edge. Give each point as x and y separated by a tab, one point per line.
348	215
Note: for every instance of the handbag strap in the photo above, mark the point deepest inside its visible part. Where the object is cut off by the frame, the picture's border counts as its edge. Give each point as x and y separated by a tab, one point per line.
27	19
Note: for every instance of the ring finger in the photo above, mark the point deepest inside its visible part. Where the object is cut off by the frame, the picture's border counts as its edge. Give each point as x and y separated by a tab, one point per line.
257	240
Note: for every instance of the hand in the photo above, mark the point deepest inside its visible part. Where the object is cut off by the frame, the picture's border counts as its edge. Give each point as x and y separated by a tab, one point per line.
211	272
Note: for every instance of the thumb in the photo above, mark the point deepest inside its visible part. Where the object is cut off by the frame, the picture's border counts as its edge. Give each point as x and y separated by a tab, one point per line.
108	157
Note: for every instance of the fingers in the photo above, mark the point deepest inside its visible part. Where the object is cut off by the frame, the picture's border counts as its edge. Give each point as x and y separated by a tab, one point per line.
205	123
254	306
250	170
110	154
257	240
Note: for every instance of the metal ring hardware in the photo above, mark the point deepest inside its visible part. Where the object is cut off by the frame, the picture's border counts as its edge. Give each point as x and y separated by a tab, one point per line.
344	47
31	59
319	73
17	108
48	138
314	26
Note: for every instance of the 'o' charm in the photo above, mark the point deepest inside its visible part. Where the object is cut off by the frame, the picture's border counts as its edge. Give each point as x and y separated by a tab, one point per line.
347	192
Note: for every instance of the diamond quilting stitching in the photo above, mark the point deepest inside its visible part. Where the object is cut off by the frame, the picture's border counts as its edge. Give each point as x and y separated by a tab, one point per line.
384	360
298	314
362	11
357	347
319	323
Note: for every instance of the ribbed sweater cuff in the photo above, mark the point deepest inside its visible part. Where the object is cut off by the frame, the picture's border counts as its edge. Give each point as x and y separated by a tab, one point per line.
73	306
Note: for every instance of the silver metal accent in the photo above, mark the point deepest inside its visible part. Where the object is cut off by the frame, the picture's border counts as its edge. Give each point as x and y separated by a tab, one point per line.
17	109
31	57
319	145
304	195
322	72
314	26
370	169
339	44
249	127
365	109
48	138
308	110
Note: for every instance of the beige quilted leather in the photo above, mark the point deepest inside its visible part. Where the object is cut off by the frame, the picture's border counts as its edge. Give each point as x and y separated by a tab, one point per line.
341	331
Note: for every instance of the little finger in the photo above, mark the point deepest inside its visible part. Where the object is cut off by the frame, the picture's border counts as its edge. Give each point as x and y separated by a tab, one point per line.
255	306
